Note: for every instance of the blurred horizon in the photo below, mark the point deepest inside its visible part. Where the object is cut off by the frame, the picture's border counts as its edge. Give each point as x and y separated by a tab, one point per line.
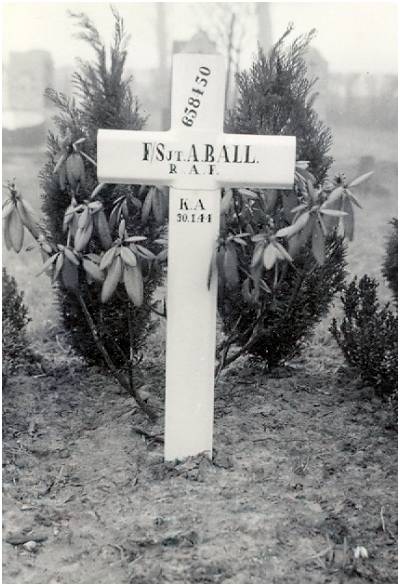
347	34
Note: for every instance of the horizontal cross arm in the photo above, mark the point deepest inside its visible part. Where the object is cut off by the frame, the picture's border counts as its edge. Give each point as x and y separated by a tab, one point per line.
256	161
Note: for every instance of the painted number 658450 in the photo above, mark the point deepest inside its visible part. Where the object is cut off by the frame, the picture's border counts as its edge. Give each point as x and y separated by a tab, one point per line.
194	101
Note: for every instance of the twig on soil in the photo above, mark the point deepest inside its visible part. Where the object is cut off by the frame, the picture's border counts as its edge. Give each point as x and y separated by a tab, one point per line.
147	435
383	520
263	439
123	381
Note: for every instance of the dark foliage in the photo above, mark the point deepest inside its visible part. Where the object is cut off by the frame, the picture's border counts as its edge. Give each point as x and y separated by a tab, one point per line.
275	97
286	319
103	99
15	346
367	335
390	263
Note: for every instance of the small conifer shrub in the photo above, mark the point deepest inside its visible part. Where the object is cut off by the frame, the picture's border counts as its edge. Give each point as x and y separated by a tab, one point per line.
103	99
15	318
390	263
281	254
367	335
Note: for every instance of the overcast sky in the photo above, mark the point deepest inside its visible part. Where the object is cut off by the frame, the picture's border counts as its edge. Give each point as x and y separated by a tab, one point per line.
352	36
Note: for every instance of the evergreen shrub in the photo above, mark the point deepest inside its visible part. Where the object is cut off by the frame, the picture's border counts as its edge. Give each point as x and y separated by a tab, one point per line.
15	347
103	99
275	97
390	263
367	335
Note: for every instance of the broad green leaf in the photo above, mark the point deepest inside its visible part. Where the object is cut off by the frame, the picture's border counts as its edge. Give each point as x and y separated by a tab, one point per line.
226	201
145	252
69	275
127	256
99	187
348	220
312	191
289	201
112	279
298	208
107	258
220	256
163	255
247	292
141	238
157	205
239	241
231	272
122	228
95	206
6	233
258	253
318	244
212	268
294	245
361	179
334	195
71	256
27	216
8	208
300	223
16	230
115	215
103	229
68	216
269	256
282	251
248	193
75	169
133	282
83	236
48	263
60	162
329	212
302	164
96	258
84	218
93	269
147	204
286	232
58	266
135	202
353	198
258	237
45	258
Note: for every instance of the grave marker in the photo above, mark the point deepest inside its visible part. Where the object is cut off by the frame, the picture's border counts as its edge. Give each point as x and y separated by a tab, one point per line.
195	159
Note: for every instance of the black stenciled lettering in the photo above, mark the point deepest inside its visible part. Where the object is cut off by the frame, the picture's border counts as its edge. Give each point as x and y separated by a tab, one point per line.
223	155
160	151
247	155
199	205
192	154
209	154
193	170
172	168
236	154
183	204
147	150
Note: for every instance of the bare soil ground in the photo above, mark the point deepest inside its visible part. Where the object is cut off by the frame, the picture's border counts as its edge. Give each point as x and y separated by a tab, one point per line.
305	463
304	471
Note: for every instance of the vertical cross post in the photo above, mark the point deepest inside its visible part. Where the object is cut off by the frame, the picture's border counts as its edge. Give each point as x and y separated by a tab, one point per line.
195	159
191	307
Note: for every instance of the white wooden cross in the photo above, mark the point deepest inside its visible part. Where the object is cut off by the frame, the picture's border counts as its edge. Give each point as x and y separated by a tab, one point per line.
195	159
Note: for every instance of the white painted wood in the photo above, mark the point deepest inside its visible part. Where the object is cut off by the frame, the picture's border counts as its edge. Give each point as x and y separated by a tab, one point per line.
195	161
191	307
